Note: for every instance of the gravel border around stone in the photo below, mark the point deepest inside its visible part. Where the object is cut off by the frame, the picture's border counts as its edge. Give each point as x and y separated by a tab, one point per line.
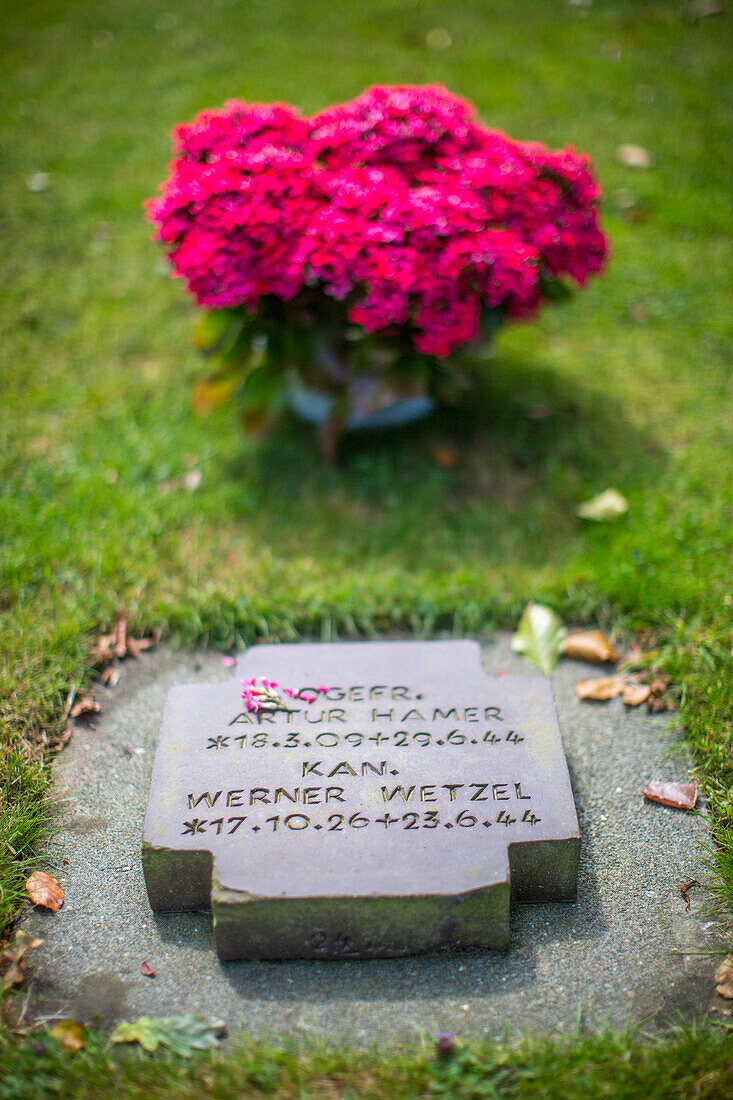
626	952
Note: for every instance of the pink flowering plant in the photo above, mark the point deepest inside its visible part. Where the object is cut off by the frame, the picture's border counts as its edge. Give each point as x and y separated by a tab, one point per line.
379	238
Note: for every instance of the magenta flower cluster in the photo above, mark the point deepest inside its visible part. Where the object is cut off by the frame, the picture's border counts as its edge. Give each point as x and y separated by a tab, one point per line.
399	203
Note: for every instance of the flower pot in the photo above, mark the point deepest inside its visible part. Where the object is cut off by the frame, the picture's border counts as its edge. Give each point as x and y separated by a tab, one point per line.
371	403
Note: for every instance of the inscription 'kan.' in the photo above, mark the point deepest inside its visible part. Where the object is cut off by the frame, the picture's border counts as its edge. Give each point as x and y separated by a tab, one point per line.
397	807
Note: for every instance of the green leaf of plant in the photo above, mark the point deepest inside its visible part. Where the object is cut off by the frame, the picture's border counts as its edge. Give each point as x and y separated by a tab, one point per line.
555	290
216	331
181	1034
539	636
212	392
606	506
262	397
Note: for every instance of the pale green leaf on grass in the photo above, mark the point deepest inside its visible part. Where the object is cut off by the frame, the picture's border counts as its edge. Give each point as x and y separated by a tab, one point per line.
539	636
606	506
180	1034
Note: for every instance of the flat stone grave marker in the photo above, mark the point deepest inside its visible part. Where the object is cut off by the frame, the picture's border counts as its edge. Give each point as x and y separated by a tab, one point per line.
391	801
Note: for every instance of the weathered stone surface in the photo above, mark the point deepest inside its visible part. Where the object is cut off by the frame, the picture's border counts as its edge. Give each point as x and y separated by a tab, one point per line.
394	813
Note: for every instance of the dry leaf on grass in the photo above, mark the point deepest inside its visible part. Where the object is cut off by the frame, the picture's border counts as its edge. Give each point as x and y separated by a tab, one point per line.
444	456
85	705
192	480
13	957
660	697
702	9
589	645
606	506
188	481
438	39
62	738
724	978
680	796
106	647
210	393
111	676
634	156
44	890
69	1034
136	646
685	888
538	412
38	181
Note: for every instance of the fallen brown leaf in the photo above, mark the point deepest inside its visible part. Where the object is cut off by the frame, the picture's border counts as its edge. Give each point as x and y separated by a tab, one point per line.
70	1034
106	647
660	697
634	156
85	705
685	887
44	890
600	690
438	39
119	637
634	694
146	970
13	957
135	646
604	507
680	796
63	738
445	457
589	645
111	676
538	412
702	9
724	978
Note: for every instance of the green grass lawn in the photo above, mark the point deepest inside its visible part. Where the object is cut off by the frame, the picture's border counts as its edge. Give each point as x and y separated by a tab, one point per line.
688	1063
632	376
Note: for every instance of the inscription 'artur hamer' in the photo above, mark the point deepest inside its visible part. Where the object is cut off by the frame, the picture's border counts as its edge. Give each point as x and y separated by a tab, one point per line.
303	844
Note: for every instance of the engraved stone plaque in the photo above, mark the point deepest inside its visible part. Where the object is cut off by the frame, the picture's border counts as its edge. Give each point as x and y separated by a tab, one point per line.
391	801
